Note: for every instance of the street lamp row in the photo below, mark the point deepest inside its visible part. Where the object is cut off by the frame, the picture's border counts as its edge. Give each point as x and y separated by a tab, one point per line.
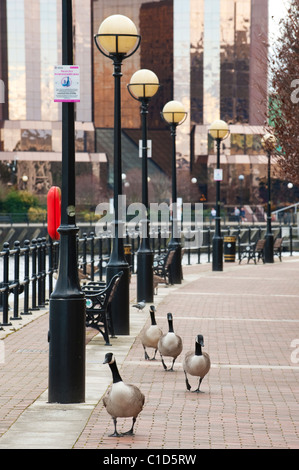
117	39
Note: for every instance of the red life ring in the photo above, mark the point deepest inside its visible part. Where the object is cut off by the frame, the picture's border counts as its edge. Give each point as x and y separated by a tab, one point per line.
54	212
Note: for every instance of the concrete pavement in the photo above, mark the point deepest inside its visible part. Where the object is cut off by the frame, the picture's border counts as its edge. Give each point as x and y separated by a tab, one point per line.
248	315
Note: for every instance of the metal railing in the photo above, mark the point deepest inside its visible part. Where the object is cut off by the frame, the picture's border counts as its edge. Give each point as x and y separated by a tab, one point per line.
27	273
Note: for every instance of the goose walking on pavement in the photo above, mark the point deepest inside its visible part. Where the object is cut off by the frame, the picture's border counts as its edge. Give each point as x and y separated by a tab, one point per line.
151	336
196	363
122	400
170	344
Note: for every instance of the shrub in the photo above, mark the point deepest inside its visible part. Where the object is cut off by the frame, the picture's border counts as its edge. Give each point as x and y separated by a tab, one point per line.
37	214
19	202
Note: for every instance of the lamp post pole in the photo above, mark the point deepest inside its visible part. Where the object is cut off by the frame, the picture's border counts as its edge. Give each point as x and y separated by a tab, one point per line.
269	143
219	131
269	245
143	86
241	179
67	302
174	114
145	256
175	241
218	239
113	32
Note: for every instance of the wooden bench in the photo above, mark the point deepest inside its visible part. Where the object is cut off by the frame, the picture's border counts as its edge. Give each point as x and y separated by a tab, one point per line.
255	252
277	247
161	268
98	300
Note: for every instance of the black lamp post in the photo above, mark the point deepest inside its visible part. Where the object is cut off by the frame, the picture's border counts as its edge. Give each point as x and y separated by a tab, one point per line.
143	86
219	131
117	39
174	114
268	143
67	302
241	179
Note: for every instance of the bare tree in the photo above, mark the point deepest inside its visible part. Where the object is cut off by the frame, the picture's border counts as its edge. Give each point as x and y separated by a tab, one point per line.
284	95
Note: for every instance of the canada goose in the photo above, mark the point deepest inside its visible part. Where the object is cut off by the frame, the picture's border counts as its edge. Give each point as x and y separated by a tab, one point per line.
152	335
140	305
170	344
197	364
122	400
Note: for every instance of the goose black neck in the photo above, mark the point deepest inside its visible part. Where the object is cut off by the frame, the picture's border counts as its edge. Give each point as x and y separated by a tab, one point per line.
153	317
115	374
198	351
170	326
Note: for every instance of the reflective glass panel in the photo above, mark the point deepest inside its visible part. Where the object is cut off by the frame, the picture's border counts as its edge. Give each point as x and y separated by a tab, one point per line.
48	51
211	60
16	59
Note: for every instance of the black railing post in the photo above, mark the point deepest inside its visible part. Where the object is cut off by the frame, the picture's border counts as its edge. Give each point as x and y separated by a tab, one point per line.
50	265
84	253
5	294
43	271
34	275
239	243
209	245
291	241
92	256
26	250
39	274
16	283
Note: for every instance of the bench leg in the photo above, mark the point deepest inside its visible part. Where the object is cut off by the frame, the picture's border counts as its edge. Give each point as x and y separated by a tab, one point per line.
110	323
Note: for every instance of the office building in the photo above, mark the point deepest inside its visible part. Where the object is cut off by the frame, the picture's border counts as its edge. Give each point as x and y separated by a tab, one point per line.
208	54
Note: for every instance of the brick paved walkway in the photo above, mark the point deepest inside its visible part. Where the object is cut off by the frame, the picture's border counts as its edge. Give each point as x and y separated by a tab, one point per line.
248	315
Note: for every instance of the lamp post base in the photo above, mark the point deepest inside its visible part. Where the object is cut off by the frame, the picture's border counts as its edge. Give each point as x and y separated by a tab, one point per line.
269	251
120	309
67	350
217	264
145	277
176	273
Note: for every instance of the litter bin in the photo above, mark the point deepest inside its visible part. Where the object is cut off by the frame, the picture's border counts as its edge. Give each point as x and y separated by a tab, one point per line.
229	249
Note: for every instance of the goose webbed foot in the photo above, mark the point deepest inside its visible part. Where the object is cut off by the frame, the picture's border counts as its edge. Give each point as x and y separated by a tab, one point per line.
154	356
188	386
128	433
198	388
131	431
146	356
115	434
163	363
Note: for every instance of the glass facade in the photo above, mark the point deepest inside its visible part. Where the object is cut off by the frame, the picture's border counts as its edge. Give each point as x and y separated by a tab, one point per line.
234	60
31	45
34	34
196	59
211	74
204	52
103	69
16	59
48	24
157	47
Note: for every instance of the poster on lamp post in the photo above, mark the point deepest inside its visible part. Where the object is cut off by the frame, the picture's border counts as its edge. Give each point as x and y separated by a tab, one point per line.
218	174
67	83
